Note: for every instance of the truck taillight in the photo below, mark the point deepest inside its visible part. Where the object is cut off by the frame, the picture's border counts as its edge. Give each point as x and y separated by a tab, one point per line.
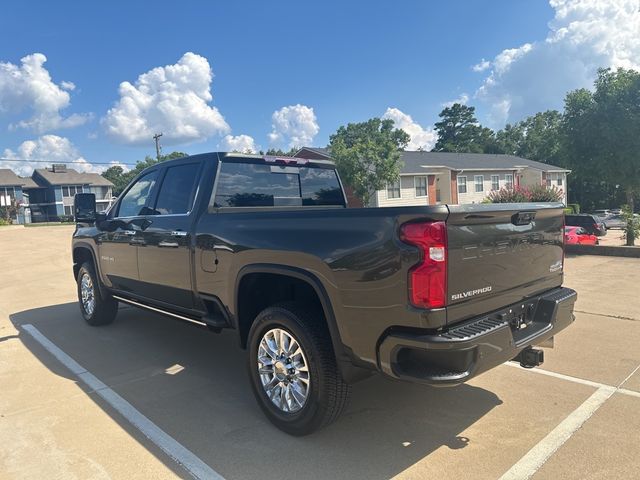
428	279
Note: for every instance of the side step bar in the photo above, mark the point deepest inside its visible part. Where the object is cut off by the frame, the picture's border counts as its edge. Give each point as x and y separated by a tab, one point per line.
213	323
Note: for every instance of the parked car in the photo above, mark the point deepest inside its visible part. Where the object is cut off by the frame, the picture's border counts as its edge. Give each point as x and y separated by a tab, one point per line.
615	221
602	213
579	236
591	223
319	294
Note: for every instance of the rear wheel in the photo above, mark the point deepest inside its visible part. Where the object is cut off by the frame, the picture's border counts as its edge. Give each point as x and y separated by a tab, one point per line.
293	369
95	309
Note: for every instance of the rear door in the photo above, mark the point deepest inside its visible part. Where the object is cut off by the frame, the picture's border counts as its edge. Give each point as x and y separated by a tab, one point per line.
500	254
165	258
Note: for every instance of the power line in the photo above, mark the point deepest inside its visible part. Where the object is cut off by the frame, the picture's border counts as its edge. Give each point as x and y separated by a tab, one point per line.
71	161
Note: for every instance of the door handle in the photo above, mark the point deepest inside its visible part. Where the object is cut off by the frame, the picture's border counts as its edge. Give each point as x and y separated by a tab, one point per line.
166	244
178	233
131	233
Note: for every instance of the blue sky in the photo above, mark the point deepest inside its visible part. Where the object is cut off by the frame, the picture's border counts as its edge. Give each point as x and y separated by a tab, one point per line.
330	62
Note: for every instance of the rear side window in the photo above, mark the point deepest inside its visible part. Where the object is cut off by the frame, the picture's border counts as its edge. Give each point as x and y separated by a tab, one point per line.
259	185
134	201
176	193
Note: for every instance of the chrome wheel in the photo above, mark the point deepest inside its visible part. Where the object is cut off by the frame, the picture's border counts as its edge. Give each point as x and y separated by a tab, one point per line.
283	370
87	294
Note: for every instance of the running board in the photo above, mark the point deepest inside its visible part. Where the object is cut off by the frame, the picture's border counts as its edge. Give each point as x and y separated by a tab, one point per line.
158	310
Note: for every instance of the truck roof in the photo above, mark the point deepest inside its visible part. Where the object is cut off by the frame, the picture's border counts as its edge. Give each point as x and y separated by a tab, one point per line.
267	159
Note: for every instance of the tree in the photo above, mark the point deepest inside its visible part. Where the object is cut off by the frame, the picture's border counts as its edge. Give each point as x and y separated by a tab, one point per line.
538	137
121	179
367	154
459	131
602	129
276	152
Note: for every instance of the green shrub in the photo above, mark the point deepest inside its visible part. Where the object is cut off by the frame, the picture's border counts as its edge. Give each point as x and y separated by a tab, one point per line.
575	207
536	193
632	229
541	193
508	195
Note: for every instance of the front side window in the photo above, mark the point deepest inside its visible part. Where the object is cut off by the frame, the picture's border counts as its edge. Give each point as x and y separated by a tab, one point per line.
508	180
135	199
479	182
421	186
495	182
259	185
462	184
177	190
393	189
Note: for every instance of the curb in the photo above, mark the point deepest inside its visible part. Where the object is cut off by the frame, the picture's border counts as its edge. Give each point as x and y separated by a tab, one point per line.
606	250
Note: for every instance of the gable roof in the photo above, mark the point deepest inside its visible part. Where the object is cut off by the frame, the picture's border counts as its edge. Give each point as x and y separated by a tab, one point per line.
9	179
416	161
46	177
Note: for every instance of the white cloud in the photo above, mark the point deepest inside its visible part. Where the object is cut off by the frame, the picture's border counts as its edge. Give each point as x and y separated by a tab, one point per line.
52	148
28	87
238	143
462	99
583	36
481	66
421	137
295	126
173	100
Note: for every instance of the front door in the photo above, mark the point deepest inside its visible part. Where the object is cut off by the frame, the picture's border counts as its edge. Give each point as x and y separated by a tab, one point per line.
165	260
122	233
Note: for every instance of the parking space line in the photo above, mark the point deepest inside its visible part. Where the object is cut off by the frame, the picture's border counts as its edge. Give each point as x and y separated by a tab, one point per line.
582	381
540	453
528	465
176	451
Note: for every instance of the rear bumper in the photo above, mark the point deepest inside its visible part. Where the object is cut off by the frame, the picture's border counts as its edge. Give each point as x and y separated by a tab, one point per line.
477	345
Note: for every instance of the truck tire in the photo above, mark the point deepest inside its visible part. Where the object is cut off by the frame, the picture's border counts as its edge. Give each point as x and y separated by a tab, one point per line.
293	370
96	309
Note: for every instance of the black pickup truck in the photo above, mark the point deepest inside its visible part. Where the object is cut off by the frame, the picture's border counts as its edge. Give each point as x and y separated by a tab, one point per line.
319	294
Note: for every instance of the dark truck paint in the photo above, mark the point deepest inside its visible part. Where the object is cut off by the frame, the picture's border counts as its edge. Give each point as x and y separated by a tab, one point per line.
499	268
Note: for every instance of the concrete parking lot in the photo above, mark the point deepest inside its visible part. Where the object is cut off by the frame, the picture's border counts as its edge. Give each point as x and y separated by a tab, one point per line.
577	417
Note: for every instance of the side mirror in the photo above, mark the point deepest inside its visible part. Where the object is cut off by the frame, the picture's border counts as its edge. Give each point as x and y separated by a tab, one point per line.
85	207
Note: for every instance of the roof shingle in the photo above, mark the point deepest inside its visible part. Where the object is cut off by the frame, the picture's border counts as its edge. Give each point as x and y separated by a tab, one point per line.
415	161
45	177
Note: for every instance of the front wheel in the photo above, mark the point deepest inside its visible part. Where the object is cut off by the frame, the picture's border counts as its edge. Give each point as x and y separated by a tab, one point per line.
95	309
293	369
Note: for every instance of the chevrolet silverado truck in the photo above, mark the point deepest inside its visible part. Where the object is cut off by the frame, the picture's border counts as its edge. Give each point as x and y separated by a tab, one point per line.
321	295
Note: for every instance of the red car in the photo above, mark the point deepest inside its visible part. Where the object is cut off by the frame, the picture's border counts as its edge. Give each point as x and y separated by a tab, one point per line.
579	236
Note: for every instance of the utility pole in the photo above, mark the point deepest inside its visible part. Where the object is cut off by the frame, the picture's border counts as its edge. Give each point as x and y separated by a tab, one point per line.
156	137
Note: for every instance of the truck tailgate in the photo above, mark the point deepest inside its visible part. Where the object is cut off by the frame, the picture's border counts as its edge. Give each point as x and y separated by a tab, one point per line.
500	253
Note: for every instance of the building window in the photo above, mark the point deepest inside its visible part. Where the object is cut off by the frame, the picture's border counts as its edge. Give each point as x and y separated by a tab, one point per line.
479	183
421	186
495	182
7	196
462	184
68	210
69	191
508	180
559	179
393	189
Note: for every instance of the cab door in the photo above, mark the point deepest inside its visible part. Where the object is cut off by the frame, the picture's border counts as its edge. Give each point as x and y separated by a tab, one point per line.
165	260
122	234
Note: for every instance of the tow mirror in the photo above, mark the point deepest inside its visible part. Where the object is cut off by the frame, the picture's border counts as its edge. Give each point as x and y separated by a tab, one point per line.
85	207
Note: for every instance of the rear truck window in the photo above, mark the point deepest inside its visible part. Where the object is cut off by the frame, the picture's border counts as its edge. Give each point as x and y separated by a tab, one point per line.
259	185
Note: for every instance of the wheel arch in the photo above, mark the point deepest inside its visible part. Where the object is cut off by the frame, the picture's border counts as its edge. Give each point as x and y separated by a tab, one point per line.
83	252
300	275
